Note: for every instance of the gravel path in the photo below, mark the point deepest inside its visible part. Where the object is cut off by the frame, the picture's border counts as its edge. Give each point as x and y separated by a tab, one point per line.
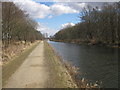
32	73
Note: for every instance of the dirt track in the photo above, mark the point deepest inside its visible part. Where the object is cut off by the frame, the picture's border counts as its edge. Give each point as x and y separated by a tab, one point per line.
32	73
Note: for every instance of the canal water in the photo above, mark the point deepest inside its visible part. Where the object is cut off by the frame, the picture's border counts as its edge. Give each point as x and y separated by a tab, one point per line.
95	63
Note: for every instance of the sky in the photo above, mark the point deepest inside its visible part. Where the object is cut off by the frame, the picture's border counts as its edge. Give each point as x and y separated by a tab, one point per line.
53	16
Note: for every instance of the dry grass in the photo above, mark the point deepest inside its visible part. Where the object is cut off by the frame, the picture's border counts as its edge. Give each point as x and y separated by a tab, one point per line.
13	50
58	75
81	83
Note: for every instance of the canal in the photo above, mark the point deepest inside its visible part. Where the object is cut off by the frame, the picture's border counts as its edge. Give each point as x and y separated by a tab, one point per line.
96	63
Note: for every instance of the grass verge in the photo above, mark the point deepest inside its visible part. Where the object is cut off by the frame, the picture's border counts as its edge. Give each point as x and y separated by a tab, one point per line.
9	68
58	75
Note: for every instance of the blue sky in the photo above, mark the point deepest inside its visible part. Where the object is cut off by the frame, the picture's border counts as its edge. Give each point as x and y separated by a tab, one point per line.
56	21
46	3
52	16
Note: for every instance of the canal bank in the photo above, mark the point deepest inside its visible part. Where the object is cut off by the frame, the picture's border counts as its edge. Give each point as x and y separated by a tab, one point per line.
59	77
62	73
92	43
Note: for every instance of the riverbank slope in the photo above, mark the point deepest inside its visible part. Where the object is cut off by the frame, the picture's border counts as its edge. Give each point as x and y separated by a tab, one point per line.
58	74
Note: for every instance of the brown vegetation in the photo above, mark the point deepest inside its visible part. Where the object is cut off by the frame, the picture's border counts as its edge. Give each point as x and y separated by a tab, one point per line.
98	26
81	83
14	50
58	74
18	31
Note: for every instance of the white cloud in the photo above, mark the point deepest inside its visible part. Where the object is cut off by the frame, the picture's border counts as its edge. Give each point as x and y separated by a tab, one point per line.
44	29
50	16
37	10
77	6
58	9
50	31
67	25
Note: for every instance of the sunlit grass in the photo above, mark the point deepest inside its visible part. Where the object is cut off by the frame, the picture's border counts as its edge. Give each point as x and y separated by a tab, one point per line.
59	77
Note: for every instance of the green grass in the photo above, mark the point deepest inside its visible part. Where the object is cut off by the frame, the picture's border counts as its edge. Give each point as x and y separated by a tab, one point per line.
9	68
58	76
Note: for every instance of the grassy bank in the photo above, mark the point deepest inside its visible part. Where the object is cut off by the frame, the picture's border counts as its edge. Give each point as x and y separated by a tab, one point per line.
64	74
10	67
58	75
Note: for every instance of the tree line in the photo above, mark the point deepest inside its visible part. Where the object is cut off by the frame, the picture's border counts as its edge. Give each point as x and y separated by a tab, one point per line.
98	25
17	25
